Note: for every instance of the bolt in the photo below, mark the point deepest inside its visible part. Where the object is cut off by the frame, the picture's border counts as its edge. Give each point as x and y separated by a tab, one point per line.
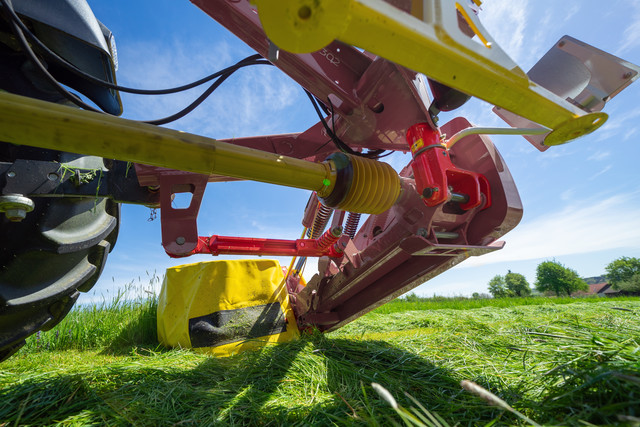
52	176
422	232
562	43
15	215
428	192
16	206
627	75
180	240
304	12
11	174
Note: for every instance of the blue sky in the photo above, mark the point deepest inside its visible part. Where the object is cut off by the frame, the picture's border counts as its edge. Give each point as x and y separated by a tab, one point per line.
581	200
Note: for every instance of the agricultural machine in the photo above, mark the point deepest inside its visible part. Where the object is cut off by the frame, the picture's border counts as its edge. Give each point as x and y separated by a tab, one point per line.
378	74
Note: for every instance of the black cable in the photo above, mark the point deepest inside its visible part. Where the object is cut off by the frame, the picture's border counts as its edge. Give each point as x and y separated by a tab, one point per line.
76	100
324	108
71	67
337	141
38	64
371	154
191	106
222	75
341	145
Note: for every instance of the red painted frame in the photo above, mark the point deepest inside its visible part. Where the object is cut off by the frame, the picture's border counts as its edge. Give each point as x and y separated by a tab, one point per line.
375	103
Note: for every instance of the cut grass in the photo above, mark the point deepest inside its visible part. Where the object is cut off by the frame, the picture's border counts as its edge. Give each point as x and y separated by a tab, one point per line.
413	302
564	364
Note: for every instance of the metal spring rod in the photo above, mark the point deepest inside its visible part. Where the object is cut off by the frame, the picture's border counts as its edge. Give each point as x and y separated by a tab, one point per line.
351	225
446	235
320	221
329	237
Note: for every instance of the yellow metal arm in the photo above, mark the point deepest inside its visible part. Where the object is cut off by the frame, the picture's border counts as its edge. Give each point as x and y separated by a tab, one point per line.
42	124
373	187
433	45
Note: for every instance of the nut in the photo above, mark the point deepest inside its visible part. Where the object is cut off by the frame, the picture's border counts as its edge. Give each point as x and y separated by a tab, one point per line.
16	206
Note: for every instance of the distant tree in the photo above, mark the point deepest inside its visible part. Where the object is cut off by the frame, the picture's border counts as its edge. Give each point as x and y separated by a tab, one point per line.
482	295
498	287
595	279
517	284
624	273
555	277
412	297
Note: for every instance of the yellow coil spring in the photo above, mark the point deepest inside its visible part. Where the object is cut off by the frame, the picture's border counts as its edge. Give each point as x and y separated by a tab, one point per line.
374	189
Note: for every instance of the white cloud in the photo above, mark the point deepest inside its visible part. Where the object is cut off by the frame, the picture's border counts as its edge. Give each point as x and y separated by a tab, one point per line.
581	227
619	123
631	35
567	194
251	102
600	155
510	37
603	171
630	133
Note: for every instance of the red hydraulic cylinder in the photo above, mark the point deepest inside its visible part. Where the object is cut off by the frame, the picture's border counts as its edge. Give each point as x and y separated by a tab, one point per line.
438	180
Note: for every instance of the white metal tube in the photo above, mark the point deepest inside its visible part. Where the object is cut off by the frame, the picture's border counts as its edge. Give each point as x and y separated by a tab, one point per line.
494	131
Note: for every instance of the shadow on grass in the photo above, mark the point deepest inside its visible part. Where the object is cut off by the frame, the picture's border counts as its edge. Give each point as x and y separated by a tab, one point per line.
312	381
315	380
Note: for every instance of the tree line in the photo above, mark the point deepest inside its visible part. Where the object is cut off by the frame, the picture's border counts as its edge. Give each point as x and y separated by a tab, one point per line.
551	276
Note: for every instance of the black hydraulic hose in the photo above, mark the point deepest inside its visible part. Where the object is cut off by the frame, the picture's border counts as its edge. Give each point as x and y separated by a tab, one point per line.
69	66
340	144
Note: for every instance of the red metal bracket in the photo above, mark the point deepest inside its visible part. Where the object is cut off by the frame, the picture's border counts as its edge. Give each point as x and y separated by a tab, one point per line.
437	179
179	226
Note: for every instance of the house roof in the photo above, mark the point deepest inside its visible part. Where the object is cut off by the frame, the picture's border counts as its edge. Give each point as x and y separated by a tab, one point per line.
597	288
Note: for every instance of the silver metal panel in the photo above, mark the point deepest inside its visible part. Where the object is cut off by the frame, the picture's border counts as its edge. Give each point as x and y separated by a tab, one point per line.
580	73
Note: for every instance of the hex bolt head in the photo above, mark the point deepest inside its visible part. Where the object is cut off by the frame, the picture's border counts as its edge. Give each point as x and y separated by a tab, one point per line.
15	215
180	240
429	191
16	206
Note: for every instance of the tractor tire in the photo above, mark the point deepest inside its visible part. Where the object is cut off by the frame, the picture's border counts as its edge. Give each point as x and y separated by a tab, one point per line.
47	259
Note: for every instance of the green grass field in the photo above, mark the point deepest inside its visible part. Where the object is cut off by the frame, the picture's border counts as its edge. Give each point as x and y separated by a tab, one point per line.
575	363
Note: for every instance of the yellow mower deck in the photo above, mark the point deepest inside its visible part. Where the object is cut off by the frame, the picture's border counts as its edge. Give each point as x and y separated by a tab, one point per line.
225	307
